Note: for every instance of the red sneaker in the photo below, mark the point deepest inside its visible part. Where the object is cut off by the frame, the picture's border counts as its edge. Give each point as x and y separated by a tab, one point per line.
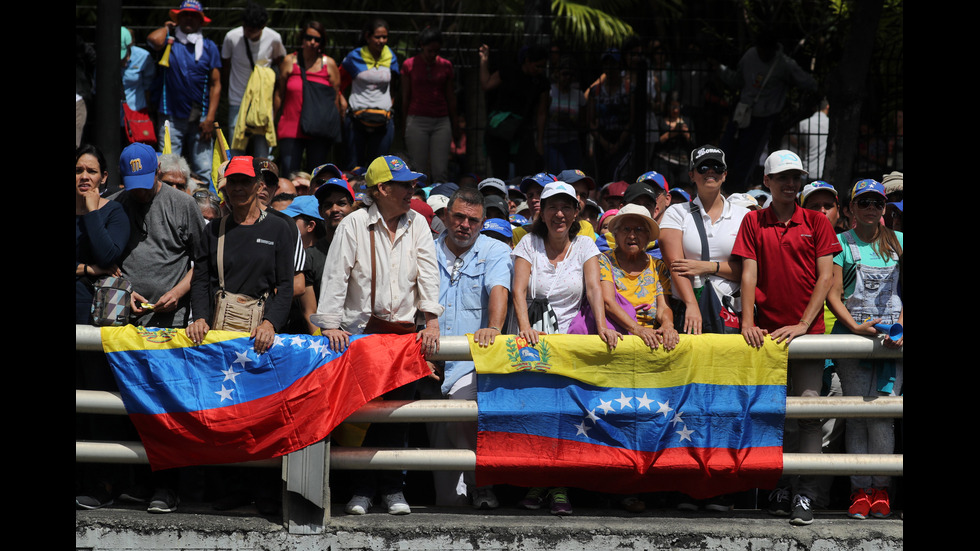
860	504
880	505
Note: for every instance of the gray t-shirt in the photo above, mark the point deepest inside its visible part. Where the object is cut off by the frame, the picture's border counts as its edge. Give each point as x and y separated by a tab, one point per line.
161	246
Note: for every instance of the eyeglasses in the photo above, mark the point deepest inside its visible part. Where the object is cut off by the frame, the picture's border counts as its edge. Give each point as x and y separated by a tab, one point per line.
864	203
718	168
633	229
313	38
457	271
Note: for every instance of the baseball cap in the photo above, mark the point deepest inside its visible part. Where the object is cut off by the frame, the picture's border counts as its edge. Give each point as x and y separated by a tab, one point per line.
744	200
572	175
498	225
643	189
422	208
514	192
542	179
497	202
614	189
517	218
304	204
783	160
867	186
437	201
333	184
495	183
763	198
243	164
125	41
893	182
654	176
447	189
559	188
270	172
389	168
138	166
817	185
682	195
706	153
325	171
589	203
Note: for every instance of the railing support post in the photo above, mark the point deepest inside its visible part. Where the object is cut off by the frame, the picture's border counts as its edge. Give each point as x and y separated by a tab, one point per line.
306	492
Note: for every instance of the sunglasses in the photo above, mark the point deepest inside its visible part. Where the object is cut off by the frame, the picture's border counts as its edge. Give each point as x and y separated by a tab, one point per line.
718	168
313	38
864	203
457	270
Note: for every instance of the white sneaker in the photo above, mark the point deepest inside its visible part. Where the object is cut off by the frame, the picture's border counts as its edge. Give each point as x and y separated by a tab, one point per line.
396	504
358	505
484	498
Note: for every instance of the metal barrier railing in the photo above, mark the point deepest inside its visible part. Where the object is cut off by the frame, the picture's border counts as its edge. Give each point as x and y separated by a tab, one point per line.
306	472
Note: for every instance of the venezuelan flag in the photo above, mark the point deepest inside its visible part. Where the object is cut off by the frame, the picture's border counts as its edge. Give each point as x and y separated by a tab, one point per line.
705	418
219	402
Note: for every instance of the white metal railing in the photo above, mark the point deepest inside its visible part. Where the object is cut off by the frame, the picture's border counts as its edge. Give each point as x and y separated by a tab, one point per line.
457	348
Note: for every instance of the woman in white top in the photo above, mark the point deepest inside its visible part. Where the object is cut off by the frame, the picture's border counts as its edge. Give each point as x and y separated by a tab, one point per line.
554	262
680	240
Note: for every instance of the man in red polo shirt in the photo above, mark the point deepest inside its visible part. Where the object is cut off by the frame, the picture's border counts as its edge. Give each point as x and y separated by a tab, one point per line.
787	260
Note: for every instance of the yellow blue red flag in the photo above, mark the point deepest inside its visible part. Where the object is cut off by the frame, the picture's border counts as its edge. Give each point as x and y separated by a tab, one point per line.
705	418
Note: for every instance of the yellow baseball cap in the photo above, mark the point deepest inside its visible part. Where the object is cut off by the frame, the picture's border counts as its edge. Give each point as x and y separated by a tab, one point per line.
390	168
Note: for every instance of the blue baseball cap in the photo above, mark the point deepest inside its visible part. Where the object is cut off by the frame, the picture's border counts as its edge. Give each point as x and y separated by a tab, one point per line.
306	205
868	186
542	179
326	171
333	184
572	175
138	166
655	177
518	219
389	168
816	185
498	225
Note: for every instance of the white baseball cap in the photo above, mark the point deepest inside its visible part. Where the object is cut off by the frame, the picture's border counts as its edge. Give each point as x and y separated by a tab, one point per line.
783	160
558	188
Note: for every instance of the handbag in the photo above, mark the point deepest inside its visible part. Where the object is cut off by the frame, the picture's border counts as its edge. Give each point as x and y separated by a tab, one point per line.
718	313
138	126
743	111
111	301
376	325
234	311
584	322
318	117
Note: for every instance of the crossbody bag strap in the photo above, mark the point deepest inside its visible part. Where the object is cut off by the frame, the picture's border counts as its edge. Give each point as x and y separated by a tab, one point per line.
372	269
699	222
221	253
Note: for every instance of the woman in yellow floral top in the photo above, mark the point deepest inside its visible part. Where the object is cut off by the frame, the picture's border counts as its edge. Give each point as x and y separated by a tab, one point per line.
639	278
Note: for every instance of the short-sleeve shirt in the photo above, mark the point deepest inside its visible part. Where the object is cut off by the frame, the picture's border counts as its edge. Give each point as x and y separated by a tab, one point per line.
264	50
721	237
370	78
562	285
187	80
787	258
641	290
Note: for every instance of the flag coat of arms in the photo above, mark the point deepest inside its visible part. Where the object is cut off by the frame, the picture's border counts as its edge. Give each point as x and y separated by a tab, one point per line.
220	402
705	418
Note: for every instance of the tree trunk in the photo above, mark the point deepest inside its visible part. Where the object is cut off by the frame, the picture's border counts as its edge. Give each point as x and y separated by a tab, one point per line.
846	92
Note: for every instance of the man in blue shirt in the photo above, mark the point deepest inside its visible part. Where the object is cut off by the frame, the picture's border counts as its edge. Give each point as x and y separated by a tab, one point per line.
475	273
191	85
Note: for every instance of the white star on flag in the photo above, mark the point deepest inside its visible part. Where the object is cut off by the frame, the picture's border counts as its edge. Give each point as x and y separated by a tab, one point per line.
665	408
685	434
242	358
230	374
677	418
605	406
316	347
225	393
624	402
297	341
592	416
582	429
644	402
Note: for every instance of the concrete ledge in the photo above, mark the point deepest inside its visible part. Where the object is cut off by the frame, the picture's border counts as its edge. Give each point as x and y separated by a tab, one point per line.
508	528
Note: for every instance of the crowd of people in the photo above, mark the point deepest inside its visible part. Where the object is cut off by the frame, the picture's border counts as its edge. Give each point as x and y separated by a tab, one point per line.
341	252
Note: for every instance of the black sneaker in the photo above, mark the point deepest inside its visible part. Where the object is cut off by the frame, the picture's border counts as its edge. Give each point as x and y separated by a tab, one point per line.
802	513
164	501
779	503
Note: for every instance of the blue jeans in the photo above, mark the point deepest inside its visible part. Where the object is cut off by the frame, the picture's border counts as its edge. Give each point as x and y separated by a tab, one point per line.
185	140
256	143
367	144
